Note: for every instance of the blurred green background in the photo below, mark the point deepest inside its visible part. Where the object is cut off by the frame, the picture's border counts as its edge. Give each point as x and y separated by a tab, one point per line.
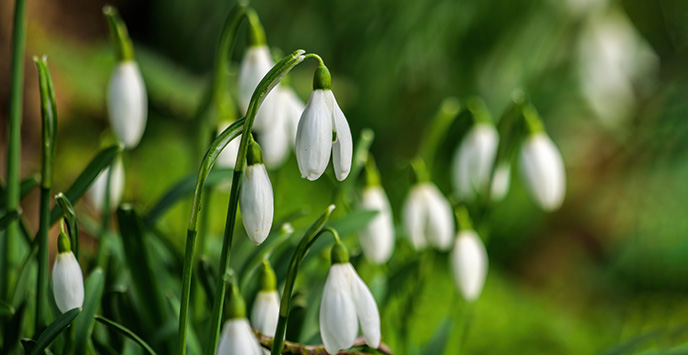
608	271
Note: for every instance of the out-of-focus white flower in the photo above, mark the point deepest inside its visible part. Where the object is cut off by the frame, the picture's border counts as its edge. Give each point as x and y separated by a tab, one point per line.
323	130
428	217
68	281
346	302
238	339
256	201
543	172
256	63
501	181
469	264
473	161
97	191
127	103
377	238
280	136
228	156
265	313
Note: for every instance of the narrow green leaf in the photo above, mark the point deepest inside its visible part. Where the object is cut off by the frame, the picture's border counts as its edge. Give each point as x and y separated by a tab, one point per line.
7	218
94	287
440	337
353	222
142	271
27	185
6	309
126	332
207	277
54	329
72	222
183	188
49	116
83	182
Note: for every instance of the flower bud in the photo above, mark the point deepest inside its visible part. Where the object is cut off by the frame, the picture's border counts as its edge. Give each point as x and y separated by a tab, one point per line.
265	313
256	63
428	217
127	103
543	172
469	264
377	238
473	161
68	281
256	201
238	339
97	191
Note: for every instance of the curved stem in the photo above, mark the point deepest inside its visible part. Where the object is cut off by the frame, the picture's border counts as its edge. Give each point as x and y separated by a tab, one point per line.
268	82
211	155
312	234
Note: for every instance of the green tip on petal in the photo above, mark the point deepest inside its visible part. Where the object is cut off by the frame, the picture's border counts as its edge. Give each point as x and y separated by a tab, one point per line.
268	280
322	80
255	154
339	253
63	244
236	306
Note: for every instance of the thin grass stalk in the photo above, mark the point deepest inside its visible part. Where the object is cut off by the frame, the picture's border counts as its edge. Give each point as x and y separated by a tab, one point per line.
10	258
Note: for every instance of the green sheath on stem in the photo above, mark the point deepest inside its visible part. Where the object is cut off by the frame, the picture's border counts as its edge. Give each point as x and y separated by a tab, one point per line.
119	34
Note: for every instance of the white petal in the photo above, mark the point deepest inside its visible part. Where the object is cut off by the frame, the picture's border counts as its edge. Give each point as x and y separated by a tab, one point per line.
469	264
127	103
256	202
256	63
415	216
68	282
474	159
293	107
377	238
342	147
366	309
97	191
265	313
338	323
228	156
267	111
501	181
543	171
314	137
273	138
238	339
439	226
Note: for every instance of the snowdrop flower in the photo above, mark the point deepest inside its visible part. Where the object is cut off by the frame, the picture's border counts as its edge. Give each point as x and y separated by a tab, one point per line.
256	63
237	337
256	200
278	139
473	161
228	156
127	101
428	217
265	313
68	281
501	181
377	238
97	191
543	172
346	302
323	130
469	264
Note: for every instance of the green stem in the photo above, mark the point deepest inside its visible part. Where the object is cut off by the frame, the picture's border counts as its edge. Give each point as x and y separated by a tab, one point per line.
268	82
312	234
41	319
9	260
101	259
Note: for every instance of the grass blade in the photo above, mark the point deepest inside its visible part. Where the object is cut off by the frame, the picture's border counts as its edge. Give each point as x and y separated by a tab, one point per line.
51	332
126	332
83	182
93	292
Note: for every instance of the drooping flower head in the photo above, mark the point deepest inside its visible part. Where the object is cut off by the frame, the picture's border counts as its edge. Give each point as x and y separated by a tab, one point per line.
127	100
237	337
97	192
68	281
377	238
265	312
473	161
256	201
346	302
323	131
428	217
468	259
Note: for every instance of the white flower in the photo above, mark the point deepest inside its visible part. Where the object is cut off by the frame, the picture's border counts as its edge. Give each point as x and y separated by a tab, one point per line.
543	172
228	156
256	202
293	108
127	103
256	63
68	282
428	217
469	264
501	181
321	120
473	161
280	136
97	191
377	238
238	339
265	312
346	301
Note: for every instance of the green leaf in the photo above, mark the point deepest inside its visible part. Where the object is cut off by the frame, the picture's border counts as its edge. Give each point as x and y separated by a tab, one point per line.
6	309
7	218
138	259
438	342
72	222
84	181
126	332
49	334
183	188
207	277
95	284
353	222
27	185
13	329
49	116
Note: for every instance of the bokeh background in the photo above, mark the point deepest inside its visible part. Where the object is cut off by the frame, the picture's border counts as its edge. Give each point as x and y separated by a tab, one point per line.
606	272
